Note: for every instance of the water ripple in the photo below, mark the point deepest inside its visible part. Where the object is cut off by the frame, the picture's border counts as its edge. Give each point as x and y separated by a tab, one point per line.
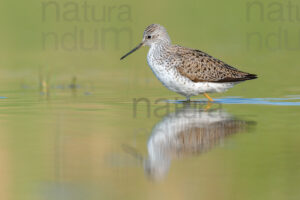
292	101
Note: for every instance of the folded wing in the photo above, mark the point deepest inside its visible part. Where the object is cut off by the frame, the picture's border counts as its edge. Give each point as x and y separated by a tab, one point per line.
198	66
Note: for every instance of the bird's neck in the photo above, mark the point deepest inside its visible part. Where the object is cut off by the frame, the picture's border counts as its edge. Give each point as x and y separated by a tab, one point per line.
160	47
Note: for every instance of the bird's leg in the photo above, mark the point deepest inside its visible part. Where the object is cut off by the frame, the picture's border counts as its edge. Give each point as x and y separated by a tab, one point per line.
208	106
208	97
188	99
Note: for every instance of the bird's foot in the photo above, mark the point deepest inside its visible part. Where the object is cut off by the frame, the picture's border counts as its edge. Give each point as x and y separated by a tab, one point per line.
188	100
208	106
208	97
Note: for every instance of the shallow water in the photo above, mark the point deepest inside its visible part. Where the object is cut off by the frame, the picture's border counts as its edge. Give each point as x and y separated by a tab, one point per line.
291	101
76	123
70	145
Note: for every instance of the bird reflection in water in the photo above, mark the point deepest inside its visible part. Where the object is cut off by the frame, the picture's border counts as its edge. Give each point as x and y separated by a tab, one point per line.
187	131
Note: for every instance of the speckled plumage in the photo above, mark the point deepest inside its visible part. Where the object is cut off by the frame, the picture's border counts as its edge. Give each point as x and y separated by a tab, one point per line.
201	67
186	71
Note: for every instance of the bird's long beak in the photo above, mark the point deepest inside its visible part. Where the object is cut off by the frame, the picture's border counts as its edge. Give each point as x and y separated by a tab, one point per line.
133	50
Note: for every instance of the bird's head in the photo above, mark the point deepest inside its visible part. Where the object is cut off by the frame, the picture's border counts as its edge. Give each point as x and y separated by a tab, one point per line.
153	34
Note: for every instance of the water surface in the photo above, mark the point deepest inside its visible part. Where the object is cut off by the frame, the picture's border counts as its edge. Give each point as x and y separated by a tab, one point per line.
79	124
71	145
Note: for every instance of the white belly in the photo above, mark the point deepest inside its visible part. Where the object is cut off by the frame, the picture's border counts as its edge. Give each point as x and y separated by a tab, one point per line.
174	81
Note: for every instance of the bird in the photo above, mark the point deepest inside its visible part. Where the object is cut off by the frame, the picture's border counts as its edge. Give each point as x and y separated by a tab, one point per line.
186	71
188	131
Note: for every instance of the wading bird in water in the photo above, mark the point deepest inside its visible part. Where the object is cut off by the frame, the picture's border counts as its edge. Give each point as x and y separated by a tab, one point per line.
189	72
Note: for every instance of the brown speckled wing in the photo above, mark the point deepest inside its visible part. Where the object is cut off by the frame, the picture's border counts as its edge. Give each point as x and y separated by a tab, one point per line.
201	67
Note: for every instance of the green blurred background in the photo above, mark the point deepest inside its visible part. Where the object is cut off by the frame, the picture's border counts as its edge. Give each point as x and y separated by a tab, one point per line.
69	109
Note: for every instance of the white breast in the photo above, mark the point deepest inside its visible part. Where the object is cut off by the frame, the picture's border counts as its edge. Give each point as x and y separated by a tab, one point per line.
167	73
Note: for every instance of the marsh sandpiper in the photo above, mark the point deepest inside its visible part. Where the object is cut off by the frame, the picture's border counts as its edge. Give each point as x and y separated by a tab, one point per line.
189	72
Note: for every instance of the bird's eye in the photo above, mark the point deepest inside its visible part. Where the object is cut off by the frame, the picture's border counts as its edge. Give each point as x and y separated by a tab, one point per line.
149	36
